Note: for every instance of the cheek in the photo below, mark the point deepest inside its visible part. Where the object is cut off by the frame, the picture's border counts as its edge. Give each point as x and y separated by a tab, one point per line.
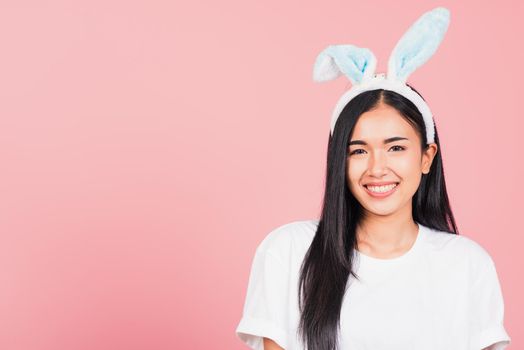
353	168
409	169
354	171
408	166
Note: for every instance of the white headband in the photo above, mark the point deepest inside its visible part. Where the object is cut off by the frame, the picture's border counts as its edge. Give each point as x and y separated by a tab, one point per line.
413	49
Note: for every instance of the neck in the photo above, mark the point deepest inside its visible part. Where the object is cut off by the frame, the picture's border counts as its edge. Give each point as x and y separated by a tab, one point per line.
383	234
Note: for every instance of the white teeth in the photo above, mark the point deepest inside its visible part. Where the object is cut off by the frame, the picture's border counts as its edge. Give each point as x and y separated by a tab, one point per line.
381	189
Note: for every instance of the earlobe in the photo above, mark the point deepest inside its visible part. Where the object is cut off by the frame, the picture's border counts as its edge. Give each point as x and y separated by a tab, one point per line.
425	168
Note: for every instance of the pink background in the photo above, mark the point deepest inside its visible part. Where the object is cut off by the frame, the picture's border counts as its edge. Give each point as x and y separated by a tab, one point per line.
148	147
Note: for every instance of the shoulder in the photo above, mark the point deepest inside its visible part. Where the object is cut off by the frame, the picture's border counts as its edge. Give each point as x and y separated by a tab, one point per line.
292	236
459	248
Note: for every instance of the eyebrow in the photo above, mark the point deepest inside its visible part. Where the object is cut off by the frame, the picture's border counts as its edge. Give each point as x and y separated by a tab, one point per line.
388	140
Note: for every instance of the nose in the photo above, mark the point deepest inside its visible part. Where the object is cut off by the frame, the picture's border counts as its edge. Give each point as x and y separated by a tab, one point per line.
377	164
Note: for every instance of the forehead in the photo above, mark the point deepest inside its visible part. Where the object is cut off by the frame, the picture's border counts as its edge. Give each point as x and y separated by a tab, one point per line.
382	122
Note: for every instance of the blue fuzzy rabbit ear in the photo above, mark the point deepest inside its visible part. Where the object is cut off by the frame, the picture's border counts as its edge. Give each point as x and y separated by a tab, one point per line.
418	44
354	62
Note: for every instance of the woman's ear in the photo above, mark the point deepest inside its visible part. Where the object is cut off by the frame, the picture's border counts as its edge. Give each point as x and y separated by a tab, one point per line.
427	157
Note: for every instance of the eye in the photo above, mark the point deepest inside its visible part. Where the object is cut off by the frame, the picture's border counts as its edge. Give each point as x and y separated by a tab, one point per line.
401	148
355	151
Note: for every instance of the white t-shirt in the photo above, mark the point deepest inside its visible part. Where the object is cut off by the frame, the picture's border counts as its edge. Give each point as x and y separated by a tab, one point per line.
443	293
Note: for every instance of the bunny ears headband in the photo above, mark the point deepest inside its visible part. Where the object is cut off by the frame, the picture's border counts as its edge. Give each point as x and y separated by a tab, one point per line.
413	49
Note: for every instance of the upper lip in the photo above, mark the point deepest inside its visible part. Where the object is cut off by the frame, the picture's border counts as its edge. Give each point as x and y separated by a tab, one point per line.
380	183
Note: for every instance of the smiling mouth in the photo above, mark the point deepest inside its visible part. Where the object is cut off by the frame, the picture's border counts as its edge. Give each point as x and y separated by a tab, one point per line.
381	189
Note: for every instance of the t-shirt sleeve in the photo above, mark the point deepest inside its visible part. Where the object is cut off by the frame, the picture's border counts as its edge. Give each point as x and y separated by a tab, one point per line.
265	306
487	310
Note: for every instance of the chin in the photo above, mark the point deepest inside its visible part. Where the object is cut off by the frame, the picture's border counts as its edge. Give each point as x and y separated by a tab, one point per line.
384	208
382	211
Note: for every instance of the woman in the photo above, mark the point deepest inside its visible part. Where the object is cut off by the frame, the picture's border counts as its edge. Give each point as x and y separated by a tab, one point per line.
384	267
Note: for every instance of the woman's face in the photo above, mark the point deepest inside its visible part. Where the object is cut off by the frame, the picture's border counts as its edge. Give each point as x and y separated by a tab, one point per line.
385	161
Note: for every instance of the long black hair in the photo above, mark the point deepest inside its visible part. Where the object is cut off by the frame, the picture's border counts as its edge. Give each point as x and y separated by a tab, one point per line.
328	262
